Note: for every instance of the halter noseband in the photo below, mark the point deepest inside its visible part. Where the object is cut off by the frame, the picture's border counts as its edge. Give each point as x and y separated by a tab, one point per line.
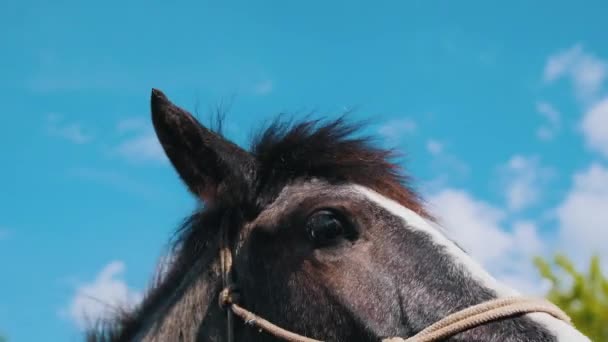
455	323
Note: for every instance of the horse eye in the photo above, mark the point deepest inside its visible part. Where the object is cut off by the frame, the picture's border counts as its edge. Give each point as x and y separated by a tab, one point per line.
324	227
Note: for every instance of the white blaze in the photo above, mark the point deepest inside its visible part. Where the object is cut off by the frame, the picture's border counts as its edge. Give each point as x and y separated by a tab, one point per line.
563	331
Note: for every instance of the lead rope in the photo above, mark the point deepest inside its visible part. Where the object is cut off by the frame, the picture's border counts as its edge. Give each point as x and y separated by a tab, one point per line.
480	314
453	324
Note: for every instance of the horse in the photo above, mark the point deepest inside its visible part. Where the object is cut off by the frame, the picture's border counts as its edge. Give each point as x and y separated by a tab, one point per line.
314	230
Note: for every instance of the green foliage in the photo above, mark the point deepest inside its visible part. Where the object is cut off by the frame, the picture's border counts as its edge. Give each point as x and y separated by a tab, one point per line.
583	296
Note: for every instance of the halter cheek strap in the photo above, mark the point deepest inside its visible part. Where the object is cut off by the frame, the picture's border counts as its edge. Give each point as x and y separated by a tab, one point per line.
453	324
226	295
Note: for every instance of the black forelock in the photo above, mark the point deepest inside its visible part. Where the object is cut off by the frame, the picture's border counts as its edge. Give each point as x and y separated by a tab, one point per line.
332	151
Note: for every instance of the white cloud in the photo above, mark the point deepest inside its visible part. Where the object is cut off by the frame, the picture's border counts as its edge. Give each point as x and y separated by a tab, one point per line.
583	214
102	298
586	71
527	232
142	145
595	127
446	167
551	126
505	244
445	164
523	178
517	269
434	147
559	64
71	131
479	228
394	130
263	88
128	125
526	281
475	224
587	74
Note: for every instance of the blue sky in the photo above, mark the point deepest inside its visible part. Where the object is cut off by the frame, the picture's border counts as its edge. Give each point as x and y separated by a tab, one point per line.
502	111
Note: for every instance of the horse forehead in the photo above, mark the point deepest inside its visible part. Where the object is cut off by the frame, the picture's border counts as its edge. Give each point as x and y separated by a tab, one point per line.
294	194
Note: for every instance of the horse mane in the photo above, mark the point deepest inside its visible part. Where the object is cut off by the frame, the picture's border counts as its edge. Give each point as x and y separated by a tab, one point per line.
284	152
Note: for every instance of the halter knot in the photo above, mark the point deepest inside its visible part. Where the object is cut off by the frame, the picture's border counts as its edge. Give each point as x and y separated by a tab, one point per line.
228	296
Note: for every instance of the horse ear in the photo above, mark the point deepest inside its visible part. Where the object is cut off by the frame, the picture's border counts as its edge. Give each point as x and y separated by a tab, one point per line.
205	161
